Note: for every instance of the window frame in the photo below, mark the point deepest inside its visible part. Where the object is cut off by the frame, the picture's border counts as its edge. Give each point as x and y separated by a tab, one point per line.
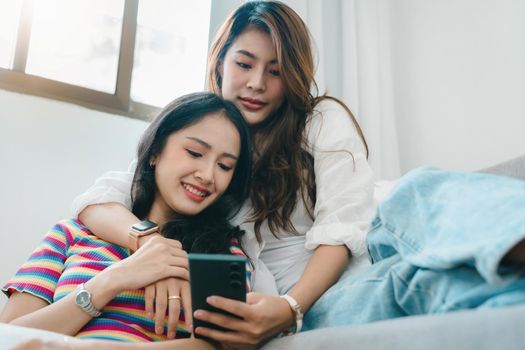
15	79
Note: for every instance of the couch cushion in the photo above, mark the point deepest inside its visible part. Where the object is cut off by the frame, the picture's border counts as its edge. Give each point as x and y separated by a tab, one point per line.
514	168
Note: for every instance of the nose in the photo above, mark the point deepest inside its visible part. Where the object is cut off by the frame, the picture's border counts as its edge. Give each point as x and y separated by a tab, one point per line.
257	80
204	174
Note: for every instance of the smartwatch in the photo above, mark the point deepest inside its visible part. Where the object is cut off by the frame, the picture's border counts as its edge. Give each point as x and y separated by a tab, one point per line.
143	228
83	300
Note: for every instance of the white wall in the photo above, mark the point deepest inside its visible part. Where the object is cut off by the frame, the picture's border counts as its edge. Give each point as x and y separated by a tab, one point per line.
449	73
50	152
459	81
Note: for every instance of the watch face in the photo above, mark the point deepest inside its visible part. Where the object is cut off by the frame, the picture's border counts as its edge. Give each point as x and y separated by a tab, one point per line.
82	297
144	226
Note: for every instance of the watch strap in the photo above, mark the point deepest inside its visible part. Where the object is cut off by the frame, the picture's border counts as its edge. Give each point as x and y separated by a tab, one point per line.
88	307
296	309
134	235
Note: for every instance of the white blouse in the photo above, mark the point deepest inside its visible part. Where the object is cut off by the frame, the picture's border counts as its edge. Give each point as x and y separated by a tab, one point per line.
342	212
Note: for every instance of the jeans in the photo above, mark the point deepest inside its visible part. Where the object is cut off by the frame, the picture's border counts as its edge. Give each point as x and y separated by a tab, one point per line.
436	245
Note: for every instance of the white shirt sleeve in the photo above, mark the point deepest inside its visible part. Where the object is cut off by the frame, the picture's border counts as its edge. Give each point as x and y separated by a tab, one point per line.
113	186
344	180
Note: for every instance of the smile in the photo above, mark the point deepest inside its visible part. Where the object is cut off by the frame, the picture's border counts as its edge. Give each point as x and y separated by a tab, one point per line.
195	193
252	104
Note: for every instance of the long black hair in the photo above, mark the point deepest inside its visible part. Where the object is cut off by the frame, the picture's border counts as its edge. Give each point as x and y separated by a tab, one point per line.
209	231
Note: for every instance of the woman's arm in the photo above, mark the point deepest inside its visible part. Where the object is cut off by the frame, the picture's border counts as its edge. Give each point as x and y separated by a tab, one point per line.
64	316
324	269
156	260
111	222
105	208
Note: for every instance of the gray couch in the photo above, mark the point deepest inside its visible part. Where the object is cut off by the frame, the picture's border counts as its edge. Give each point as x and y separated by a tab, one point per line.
499	328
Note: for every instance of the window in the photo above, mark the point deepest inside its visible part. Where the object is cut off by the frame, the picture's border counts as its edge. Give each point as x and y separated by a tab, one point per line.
128	57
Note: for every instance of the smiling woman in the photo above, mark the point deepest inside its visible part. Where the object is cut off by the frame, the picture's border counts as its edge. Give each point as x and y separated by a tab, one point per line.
195	167
189	181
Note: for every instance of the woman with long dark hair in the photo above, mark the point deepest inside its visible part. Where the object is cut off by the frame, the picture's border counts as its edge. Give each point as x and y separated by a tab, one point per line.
189	182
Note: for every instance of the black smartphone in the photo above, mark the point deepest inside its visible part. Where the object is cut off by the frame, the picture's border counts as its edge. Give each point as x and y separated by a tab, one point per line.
215	274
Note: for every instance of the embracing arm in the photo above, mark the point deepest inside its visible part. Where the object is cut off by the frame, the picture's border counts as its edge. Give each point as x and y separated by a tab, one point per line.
109	221
105	207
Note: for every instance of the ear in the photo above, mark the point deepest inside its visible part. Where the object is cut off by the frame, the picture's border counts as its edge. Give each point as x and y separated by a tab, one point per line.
153	162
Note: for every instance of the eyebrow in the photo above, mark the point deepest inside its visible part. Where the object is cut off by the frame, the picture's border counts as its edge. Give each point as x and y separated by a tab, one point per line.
251	55
208	146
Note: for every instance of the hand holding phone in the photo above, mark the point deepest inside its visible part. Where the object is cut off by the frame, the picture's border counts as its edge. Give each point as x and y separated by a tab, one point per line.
216	274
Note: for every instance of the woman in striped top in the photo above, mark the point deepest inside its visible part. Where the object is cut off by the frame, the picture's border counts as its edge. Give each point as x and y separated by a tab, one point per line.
190	180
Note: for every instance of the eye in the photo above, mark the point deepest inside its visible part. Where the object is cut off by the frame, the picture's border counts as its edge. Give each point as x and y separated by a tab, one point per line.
243	65
225	167
193	154
275	72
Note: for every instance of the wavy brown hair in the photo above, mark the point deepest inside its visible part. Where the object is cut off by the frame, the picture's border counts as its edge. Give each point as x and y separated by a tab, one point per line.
283	169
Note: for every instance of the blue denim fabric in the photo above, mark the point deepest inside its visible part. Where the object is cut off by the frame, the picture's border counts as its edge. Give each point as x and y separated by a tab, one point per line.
436	245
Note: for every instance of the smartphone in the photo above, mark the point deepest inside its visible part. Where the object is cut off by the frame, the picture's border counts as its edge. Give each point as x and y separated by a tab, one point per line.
216	274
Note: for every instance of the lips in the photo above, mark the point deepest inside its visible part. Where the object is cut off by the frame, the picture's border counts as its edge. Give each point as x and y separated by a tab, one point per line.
252	103
195	193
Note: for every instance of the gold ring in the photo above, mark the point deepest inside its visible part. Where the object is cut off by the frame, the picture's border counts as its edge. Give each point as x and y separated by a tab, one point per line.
174	297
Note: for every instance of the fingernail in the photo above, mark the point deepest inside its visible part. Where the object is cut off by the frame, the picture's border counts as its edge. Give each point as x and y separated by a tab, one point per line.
211	299
198	313
171	334
149	314
158	330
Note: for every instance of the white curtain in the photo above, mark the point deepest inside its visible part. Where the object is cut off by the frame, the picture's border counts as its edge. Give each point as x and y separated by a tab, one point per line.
353	45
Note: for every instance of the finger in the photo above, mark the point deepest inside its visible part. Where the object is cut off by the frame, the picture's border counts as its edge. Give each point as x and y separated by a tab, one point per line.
236	307
229	322
161	303
178	261
177	272
222	337
174	305
149	297
185	293
173	314
175	243
178	252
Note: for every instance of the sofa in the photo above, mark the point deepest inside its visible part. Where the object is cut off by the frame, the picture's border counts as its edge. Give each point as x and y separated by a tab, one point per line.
498	328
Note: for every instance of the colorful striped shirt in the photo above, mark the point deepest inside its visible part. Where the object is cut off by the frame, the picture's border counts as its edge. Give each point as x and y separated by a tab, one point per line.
69	255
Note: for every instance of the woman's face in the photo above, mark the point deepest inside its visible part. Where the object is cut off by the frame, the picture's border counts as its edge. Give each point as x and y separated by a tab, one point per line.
251	77
195	167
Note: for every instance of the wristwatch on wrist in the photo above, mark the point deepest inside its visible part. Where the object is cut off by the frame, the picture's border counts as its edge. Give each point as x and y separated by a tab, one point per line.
143	228
296	309
83	300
